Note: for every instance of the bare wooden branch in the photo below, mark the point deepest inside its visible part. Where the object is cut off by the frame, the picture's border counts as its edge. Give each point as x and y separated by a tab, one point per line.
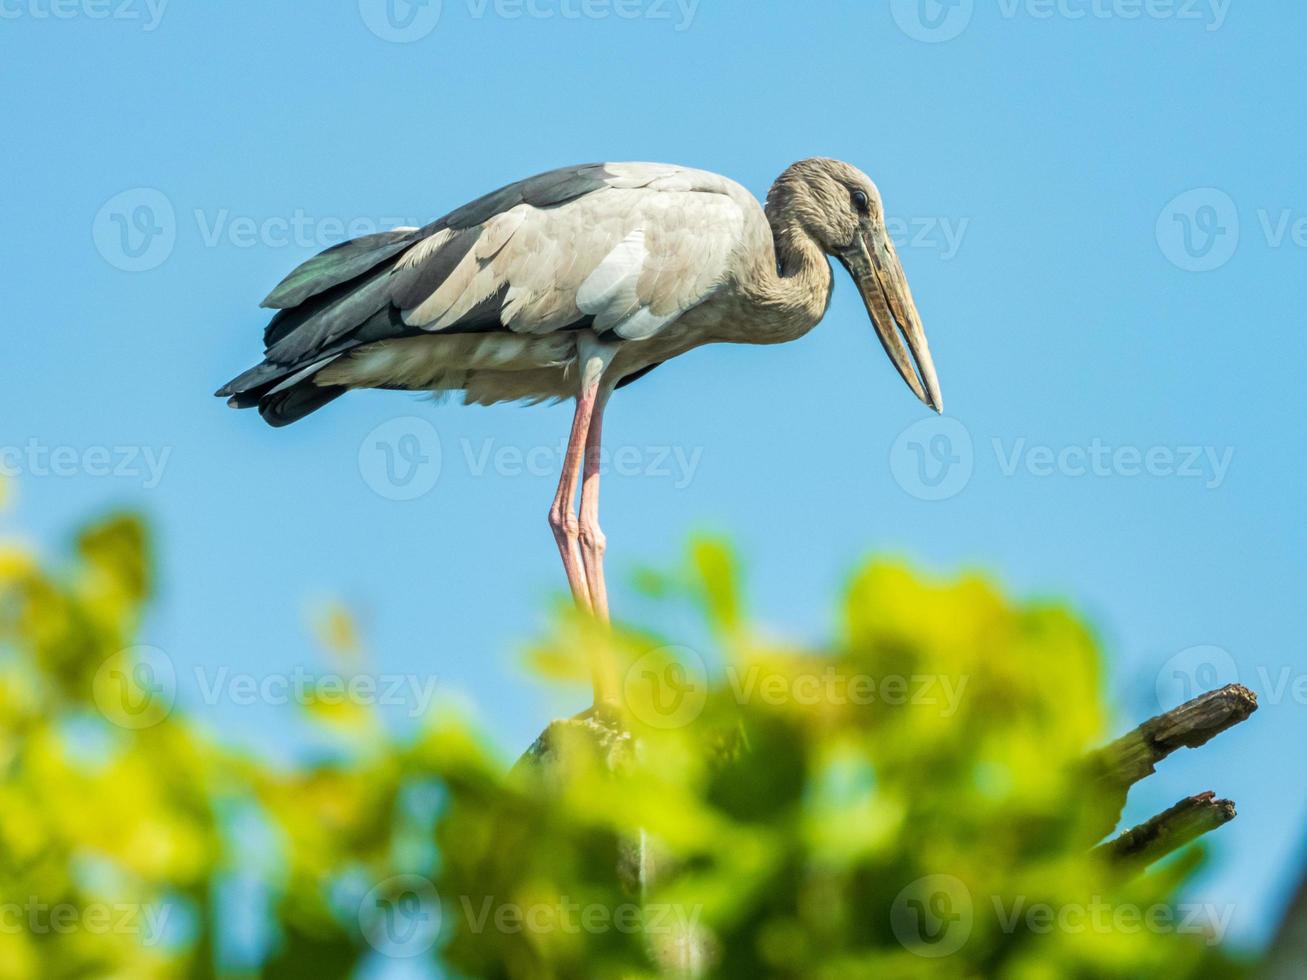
1169	831
1118	766
1134	756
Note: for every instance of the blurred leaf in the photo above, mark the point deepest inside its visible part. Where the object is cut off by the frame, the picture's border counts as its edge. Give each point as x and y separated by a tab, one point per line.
902	801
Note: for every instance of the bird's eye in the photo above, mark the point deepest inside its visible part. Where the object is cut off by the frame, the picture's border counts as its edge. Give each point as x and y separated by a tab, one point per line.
860	202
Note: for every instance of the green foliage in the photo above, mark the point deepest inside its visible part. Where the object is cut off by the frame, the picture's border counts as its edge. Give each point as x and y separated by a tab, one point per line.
907	802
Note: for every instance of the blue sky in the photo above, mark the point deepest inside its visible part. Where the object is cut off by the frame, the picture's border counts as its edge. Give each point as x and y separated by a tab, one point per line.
1099	205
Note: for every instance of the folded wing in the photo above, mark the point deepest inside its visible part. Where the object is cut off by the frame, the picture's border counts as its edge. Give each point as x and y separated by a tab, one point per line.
623	249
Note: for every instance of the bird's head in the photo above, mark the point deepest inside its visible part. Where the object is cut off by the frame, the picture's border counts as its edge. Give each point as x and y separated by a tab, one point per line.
839	207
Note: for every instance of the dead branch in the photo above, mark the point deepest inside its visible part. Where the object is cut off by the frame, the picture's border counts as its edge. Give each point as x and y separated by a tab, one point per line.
1132	757
1168	831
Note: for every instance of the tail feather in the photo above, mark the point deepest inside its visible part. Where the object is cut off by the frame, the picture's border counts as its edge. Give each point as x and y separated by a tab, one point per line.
333	302
292	404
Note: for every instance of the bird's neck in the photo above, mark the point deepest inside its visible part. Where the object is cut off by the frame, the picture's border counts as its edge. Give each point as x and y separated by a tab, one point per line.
791	292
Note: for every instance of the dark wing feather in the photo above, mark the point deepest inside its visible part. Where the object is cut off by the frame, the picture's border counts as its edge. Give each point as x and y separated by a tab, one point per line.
354	292
635	376
339	264
547	190
411	285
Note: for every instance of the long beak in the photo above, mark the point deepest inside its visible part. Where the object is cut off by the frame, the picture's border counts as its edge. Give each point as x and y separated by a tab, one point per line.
879	277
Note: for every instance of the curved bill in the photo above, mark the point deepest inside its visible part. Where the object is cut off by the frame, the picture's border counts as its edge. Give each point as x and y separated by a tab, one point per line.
884	288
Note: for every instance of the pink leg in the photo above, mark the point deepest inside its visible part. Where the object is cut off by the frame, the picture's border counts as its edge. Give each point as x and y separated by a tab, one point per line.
593	542
562	515
575	542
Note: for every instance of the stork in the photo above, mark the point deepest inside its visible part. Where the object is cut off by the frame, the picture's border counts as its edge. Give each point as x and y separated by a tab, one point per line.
572	284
